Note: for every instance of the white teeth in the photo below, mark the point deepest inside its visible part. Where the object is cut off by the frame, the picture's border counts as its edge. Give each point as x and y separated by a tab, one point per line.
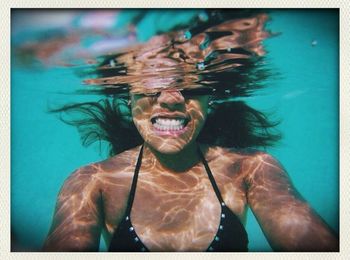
165	124
170	122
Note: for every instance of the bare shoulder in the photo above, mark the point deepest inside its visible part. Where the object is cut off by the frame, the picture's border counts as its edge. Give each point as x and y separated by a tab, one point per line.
230	152
118	164
248	161
95	175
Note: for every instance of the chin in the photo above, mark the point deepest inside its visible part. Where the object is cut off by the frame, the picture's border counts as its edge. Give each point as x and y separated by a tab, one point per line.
167	150
168	146
168	136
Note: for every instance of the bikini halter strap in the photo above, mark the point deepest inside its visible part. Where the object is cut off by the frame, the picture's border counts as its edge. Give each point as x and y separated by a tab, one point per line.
137	169
134	182
211	177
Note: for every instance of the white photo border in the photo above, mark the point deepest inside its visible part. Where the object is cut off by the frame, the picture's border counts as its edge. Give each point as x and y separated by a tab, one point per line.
5	123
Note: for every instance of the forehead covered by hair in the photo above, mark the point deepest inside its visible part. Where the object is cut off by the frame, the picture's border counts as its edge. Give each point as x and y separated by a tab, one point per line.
217	55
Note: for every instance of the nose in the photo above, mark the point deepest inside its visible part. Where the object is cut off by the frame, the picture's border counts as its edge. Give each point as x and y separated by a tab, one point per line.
171	99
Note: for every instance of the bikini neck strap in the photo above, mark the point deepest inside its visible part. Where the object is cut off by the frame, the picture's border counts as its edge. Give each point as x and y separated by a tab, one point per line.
210	175
137	170
134	182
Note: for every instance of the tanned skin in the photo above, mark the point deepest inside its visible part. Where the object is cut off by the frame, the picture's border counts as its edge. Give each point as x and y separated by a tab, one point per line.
175	207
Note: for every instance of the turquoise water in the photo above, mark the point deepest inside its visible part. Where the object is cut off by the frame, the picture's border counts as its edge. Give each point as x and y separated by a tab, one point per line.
44	151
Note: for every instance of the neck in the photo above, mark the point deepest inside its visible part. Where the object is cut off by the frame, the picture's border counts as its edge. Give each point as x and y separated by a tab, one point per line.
177	162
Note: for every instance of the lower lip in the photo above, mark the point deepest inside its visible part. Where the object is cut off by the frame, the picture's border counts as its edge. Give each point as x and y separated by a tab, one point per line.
173	133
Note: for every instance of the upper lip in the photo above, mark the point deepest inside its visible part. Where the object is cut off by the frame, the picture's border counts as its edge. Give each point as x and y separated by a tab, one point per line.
174	115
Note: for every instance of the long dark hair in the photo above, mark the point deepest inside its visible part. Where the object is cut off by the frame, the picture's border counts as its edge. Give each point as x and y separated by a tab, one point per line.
230	123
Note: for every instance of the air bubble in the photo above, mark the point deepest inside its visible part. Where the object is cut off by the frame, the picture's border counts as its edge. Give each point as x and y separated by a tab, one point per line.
201	66
203	17
187	35
112	63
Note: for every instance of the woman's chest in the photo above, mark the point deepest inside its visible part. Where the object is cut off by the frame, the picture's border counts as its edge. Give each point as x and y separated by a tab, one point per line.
181	219
178	213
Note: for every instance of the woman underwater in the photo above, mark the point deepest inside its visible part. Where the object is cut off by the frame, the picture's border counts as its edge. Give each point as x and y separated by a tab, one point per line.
181	176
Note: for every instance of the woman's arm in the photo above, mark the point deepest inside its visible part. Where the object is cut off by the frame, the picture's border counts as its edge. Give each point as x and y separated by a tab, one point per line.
287	221
77	219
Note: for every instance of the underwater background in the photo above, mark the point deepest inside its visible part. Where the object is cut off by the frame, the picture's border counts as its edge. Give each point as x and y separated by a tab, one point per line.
47	50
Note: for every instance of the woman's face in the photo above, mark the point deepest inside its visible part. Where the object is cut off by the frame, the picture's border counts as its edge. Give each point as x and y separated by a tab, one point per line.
169	122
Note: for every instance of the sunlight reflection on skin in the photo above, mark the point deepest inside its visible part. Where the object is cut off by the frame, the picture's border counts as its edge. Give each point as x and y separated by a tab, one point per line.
159	221
176	58
164	226
170	104
175	207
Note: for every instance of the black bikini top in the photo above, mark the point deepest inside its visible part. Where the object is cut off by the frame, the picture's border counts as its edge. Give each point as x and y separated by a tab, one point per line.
230	237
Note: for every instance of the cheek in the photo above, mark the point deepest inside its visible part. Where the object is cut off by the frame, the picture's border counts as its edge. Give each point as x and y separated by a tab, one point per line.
140	108
198	109
198	113
141	113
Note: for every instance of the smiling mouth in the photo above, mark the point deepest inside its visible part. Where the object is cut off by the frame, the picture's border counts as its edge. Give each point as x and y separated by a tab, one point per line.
169	124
